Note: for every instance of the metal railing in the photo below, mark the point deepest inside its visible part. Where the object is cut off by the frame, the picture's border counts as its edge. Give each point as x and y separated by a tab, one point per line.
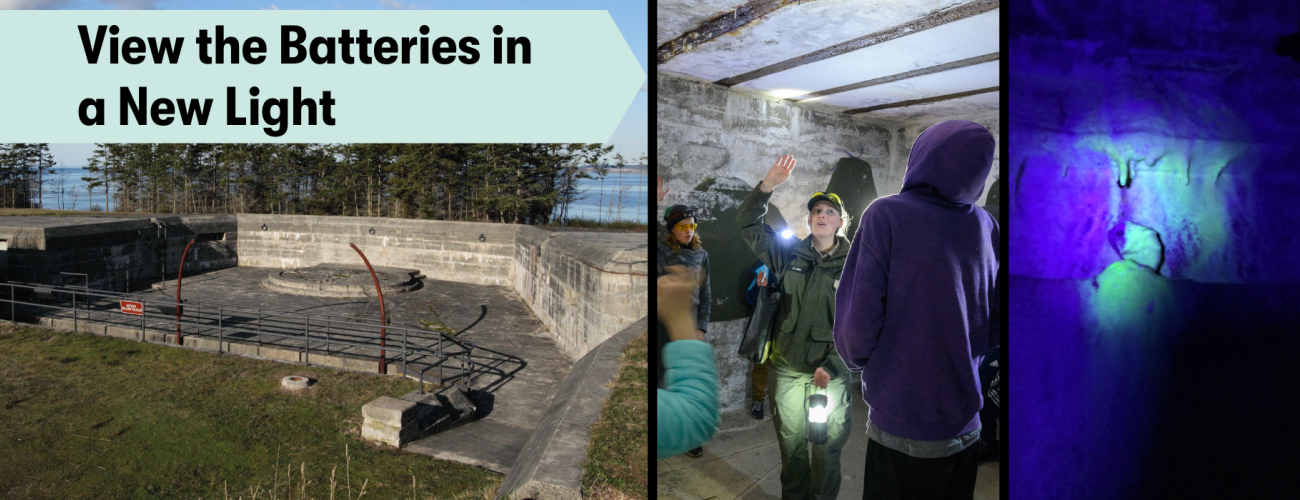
422	349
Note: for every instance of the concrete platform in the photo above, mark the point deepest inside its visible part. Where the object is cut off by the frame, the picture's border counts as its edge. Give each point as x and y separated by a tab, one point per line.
341	280
744	461
551	464
497	320
490	316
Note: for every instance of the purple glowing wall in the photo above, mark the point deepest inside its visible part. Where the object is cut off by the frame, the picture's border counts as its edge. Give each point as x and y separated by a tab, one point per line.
1178	116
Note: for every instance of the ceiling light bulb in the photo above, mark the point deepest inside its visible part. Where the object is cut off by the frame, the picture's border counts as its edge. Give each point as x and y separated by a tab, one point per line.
787	93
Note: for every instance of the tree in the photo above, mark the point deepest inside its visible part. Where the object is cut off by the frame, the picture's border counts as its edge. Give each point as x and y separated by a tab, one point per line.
520	183
93	177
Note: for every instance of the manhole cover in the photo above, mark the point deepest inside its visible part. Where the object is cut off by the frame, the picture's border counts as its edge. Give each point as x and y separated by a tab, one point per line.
295	382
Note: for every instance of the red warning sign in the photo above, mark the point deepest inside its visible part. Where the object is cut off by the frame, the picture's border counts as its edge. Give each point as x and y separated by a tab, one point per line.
129	307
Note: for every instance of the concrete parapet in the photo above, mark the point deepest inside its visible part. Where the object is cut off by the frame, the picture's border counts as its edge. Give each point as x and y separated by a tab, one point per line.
467	252
280	353
124	333
550	465
201	343
583	286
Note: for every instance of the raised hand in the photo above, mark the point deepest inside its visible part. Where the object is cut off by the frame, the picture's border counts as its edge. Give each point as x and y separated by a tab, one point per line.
676	295
662	190
779	173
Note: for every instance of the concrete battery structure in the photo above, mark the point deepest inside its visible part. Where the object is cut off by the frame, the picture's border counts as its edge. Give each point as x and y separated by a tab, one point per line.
552	309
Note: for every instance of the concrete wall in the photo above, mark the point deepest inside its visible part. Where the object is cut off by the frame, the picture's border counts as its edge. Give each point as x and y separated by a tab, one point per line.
709	132
110	250
466	252
583	286
1212	165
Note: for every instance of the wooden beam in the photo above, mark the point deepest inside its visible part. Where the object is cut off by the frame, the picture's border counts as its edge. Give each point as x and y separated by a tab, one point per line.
719	25
927	100
917	25
902	76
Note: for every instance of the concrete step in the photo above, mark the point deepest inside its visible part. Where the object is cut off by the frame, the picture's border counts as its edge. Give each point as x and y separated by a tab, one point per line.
488	443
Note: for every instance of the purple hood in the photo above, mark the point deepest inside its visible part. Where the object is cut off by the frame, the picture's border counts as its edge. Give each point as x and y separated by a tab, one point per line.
951	159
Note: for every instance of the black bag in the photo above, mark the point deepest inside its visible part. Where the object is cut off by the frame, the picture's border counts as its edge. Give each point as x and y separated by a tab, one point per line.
757	343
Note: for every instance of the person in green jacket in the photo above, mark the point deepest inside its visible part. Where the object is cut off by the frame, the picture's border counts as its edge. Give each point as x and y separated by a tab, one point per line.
803	359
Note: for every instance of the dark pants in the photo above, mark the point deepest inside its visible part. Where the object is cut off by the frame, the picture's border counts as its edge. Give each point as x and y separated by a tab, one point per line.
893	475
759	379
990	413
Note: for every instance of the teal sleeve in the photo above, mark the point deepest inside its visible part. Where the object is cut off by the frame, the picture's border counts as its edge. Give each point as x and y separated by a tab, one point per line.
688	403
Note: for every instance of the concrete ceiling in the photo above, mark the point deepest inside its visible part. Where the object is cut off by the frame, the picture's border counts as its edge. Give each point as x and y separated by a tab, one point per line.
793	48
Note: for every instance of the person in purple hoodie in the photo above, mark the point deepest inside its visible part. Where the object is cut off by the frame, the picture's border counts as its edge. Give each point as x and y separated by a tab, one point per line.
916	310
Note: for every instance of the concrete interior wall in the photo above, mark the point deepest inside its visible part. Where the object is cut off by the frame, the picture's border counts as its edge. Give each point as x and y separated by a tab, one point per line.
716	144
1209	171
1178	116
709	132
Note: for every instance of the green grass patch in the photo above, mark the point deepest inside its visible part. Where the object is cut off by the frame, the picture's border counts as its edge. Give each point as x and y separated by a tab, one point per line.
618	454
97	417
436	324
621	225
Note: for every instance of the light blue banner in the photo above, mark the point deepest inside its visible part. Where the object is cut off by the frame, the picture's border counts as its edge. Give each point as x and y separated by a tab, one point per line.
577	84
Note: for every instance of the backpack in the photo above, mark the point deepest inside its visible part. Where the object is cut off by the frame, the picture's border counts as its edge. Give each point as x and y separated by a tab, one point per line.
757	343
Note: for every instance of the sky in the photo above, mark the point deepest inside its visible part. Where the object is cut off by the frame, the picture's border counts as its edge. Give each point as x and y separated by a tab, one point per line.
632	18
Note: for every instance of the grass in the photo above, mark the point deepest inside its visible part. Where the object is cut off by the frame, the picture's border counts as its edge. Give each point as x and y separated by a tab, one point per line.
591	224
618	455
98	417
436	324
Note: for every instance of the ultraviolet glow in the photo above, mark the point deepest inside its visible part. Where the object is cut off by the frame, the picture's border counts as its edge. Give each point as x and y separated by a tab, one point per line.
1095	349
1113	387
1175	188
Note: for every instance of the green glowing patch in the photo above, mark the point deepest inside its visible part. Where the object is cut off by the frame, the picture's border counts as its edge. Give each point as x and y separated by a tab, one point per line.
1174	185
1132	297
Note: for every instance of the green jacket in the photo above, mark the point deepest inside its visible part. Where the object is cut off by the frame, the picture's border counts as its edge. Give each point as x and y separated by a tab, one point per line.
802	337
